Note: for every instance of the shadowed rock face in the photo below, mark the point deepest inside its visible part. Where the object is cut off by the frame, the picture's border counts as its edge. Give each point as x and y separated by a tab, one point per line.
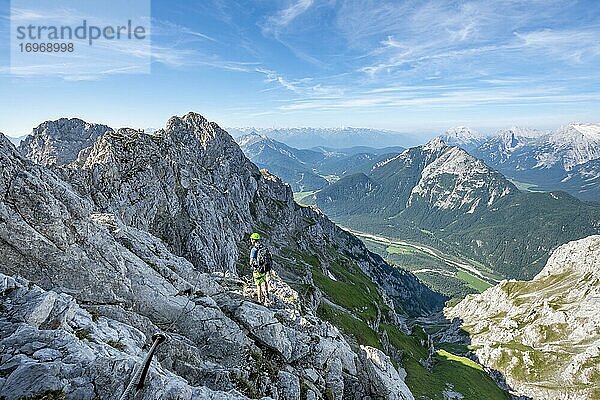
543	334
135	228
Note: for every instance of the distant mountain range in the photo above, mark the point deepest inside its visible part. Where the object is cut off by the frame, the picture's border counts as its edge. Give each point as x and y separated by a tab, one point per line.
566	159
441	195
535	160
310	169
306	138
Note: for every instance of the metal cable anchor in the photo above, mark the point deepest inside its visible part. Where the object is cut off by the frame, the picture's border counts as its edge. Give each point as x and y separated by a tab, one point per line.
139	377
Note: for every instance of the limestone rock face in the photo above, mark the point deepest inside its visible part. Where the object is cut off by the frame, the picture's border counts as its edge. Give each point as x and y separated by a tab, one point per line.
543	334
141	233
59	142
188	184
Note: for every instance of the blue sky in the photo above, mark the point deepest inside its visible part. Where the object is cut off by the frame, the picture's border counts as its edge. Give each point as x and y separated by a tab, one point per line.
412	66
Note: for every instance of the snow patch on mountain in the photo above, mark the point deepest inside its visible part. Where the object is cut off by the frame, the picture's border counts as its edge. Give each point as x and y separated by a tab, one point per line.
590	130
461	136
576	144
547	160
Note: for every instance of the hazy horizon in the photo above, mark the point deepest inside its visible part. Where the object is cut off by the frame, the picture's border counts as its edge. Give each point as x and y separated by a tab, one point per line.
427	133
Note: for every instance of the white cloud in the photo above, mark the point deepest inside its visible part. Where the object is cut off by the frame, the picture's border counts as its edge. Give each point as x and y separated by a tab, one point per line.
176	32
305	86
573	45
287	15
64	15
445	100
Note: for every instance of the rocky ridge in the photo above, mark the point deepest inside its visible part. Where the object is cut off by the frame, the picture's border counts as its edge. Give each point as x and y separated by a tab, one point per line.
475	185
131	231
559	160
462	136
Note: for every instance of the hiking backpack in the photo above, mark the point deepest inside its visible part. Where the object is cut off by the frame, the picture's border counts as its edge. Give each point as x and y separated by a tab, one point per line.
264	259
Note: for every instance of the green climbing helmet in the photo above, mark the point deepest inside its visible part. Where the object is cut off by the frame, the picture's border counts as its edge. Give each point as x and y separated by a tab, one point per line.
255	236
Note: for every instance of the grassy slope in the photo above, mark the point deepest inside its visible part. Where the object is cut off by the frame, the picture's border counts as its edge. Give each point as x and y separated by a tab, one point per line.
529	187
464	375
476	283
350	325
353	292
300	197
357	294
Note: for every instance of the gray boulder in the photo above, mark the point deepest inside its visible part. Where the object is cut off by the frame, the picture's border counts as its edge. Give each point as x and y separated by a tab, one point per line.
385	379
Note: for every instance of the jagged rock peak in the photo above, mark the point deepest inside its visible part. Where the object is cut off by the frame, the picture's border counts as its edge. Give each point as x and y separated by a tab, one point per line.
462	136
590	131
6	147
176	174
197	126
191	119
59	142
435	144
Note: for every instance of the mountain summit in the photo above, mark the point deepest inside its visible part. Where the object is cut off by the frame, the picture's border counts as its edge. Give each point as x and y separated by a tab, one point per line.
562	160
574	144
462	136
58	142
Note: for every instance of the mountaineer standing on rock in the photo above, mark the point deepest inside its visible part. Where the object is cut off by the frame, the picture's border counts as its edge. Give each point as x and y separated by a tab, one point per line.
261	262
